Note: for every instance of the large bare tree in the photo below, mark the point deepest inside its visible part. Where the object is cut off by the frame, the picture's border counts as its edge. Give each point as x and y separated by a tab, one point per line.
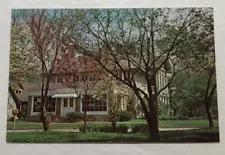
136	42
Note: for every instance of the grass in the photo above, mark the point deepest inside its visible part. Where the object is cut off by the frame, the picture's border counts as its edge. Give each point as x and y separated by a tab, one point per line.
185	123
100	137
60	137
162	124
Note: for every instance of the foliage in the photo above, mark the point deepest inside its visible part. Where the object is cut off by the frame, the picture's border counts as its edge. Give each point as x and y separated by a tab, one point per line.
140	128
44	31
106	128
190	92
76	115
93	128
131	105
22	61
125	116
81	74
117	94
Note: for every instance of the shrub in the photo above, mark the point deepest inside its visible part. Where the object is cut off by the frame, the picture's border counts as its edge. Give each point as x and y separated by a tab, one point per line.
182	118
22	115
94	128
139	128
11	119
76	115
105	128
125	116
122	128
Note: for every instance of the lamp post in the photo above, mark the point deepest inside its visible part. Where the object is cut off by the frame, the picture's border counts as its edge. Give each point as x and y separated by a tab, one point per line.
14	112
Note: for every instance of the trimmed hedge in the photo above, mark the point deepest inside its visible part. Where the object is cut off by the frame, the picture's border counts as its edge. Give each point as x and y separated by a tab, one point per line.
139	128
76	115
119	128
105	128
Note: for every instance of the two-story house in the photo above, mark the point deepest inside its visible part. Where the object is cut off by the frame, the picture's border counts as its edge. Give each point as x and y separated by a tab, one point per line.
63	99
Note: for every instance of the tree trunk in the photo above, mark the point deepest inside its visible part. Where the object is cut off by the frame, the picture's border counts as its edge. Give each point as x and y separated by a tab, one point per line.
209	116
113	126
153	128
174	112
152	120
15	98
46	119
85	118
208	98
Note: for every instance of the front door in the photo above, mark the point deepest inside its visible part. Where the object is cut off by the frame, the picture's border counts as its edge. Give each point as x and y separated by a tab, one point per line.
67	105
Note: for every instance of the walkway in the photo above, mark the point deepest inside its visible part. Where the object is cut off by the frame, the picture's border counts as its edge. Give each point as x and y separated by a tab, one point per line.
77	130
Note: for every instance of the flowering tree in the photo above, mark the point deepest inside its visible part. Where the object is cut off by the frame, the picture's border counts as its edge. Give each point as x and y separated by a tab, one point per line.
45	28
22	61
80	73
115	91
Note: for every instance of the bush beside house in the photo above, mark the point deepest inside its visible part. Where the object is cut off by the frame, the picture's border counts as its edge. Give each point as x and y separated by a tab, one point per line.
74	116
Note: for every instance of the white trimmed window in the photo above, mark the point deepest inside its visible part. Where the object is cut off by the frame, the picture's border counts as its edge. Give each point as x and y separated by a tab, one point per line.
71	102
65	102
50	104
95	105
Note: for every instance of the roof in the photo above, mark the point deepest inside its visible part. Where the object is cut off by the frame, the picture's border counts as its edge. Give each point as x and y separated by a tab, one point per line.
25	86
135	62
69	65
54	88
58	88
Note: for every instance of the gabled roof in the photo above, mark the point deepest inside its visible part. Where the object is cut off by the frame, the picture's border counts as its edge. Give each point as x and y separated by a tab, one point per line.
25	87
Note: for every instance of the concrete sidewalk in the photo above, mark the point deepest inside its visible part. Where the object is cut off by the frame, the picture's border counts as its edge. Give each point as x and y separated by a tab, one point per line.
77	130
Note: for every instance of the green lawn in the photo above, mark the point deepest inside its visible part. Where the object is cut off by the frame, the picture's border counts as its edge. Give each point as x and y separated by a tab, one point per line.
162	124
101	137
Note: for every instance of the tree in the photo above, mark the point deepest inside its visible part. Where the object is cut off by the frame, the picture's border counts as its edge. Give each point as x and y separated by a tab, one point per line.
20	58
199	55
22	61
45	29
80	73
189	93
116	91
131	39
